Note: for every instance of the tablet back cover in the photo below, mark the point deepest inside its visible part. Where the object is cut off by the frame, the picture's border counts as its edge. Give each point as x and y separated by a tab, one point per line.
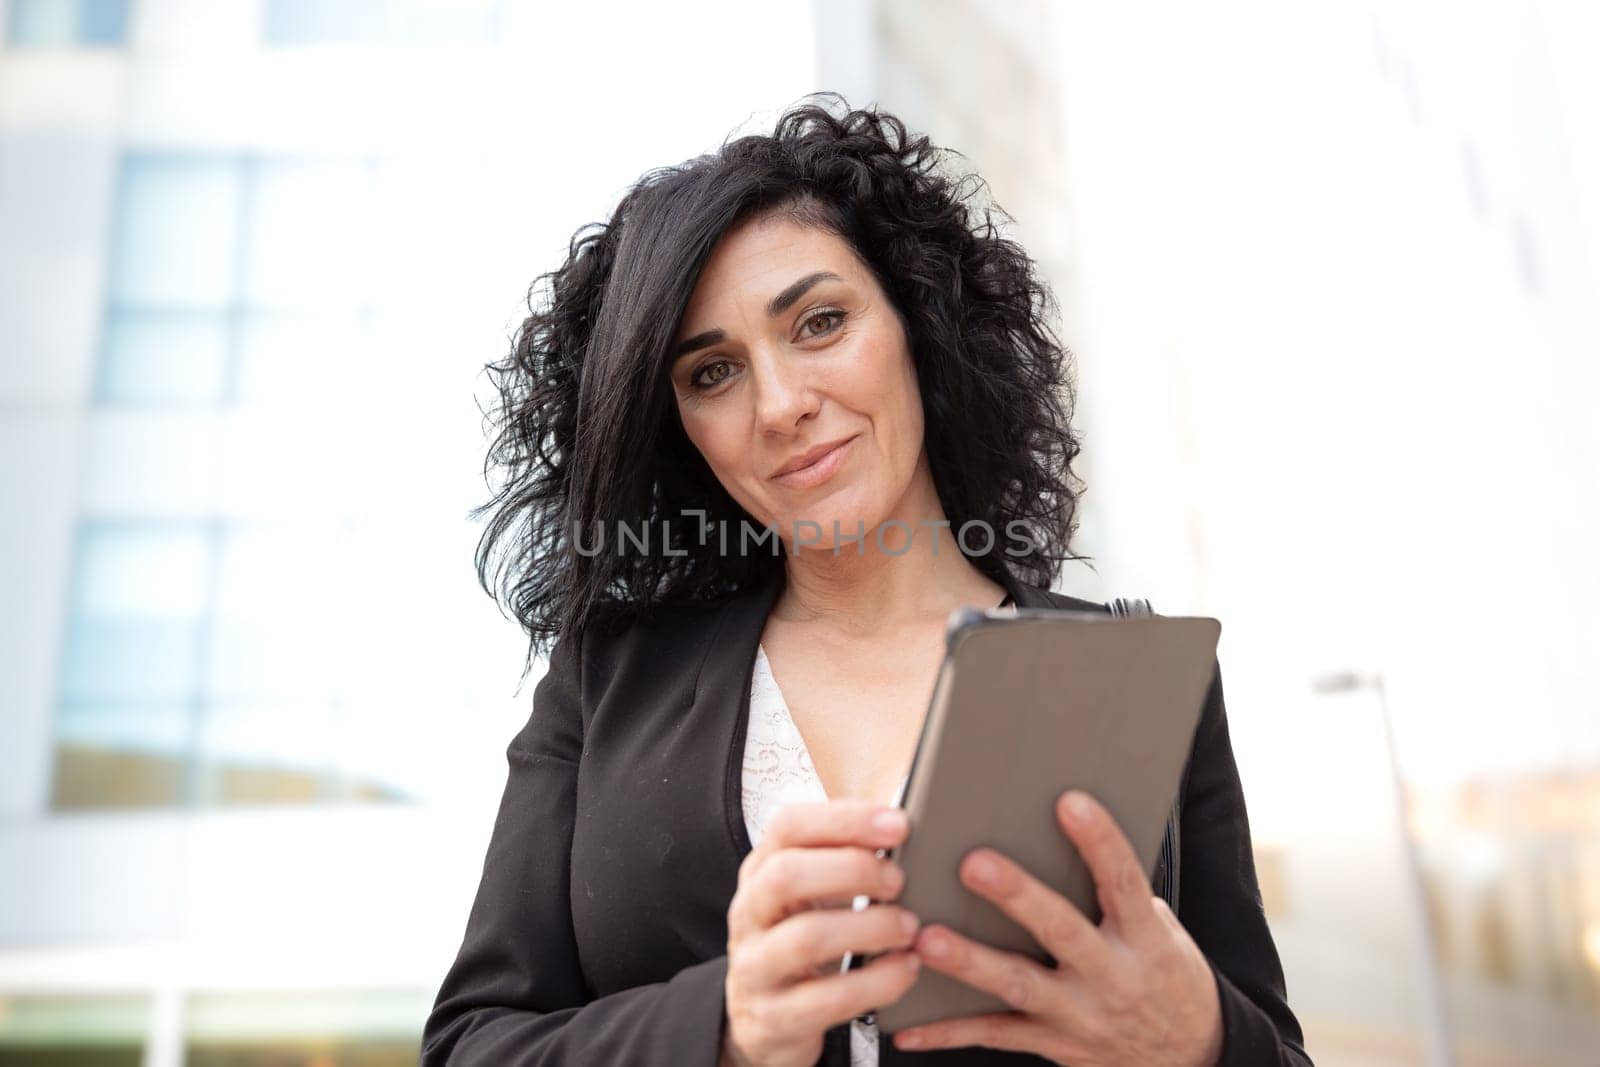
1027	706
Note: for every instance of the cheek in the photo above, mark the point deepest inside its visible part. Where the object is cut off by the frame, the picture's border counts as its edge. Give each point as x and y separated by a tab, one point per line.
911	400
723	440
890	389
712	437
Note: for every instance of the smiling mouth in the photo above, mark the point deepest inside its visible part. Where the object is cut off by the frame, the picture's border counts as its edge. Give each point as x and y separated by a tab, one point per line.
819	469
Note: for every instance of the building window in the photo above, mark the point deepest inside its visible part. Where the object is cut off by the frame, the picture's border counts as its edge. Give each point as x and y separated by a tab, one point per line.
230	274
72	1031
297	23
67	23
131	663
361	1028
202	666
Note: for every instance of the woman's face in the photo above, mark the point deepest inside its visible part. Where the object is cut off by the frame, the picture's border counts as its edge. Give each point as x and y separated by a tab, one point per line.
788	345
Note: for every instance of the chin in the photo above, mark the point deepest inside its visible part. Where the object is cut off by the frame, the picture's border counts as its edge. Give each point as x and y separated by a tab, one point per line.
849	513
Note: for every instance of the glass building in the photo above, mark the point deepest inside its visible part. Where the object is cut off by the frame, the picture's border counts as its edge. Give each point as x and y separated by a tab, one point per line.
254	256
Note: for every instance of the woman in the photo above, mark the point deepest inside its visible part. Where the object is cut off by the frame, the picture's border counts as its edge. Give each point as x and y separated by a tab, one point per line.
792	405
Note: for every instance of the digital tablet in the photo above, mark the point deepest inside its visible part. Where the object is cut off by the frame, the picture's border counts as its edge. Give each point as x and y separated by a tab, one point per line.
1029	703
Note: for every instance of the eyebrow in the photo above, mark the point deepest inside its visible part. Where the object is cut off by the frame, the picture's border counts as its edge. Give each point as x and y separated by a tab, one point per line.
775	307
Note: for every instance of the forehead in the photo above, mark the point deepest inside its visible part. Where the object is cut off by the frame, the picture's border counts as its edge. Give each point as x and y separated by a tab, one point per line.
758	258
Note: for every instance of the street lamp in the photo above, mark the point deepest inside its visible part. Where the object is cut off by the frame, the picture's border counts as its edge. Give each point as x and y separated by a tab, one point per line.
1435	1023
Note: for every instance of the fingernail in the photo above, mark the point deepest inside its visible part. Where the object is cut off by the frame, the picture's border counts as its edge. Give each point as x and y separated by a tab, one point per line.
908	922
982	869
908	1040
889	819
1078	805
935	944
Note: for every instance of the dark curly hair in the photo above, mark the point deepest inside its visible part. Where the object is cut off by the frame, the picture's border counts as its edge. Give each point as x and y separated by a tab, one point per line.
586	429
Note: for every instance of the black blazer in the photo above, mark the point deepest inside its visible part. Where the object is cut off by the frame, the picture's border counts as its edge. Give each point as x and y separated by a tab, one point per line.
599	932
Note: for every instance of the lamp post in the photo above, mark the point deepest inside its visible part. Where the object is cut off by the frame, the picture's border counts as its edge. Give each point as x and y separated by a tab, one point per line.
1435	1022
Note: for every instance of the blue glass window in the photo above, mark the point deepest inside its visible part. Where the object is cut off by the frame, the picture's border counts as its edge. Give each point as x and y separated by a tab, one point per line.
205	663
67	23
221	264
290	23
131	667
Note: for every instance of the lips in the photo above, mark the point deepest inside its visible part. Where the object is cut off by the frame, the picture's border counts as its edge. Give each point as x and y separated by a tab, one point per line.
810	456
815	466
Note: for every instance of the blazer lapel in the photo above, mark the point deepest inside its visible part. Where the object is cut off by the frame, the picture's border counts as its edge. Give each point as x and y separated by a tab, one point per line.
724	682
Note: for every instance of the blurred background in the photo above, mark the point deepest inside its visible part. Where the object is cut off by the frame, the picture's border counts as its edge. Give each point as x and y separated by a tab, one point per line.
1328	272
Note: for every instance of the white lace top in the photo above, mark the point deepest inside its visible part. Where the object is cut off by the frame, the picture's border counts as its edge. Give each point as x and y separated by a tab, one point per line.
778	771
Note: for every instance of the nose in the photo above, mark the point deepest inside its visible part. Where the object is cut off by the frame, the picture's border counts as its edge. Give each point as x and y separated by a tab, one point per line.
784	392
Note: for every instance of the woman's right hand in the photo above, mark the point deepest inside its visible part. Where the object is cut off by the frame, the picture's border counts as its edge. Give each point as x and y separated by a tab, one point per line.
790	924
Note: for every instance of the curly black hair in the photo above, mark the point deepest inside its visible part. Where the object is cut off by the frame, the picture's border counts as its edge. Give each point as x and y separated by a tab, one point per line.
586	429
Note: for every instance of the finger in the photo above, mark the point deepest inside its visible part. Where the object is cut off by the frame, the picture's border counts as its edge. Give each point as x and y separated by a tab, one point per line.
820	1003
798	945
1022	983
1120	880
1053	920
1003	1030
792	878
844	900
836	822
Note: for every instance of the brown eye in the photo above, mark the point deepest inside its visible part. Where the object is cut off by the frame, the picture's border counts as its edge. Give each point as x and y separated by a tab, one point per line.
832	316
700	382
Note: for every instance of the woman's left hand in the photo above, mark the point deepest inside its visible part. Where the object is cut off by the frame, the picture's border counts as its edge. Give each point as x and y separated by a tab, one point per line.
1134	989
